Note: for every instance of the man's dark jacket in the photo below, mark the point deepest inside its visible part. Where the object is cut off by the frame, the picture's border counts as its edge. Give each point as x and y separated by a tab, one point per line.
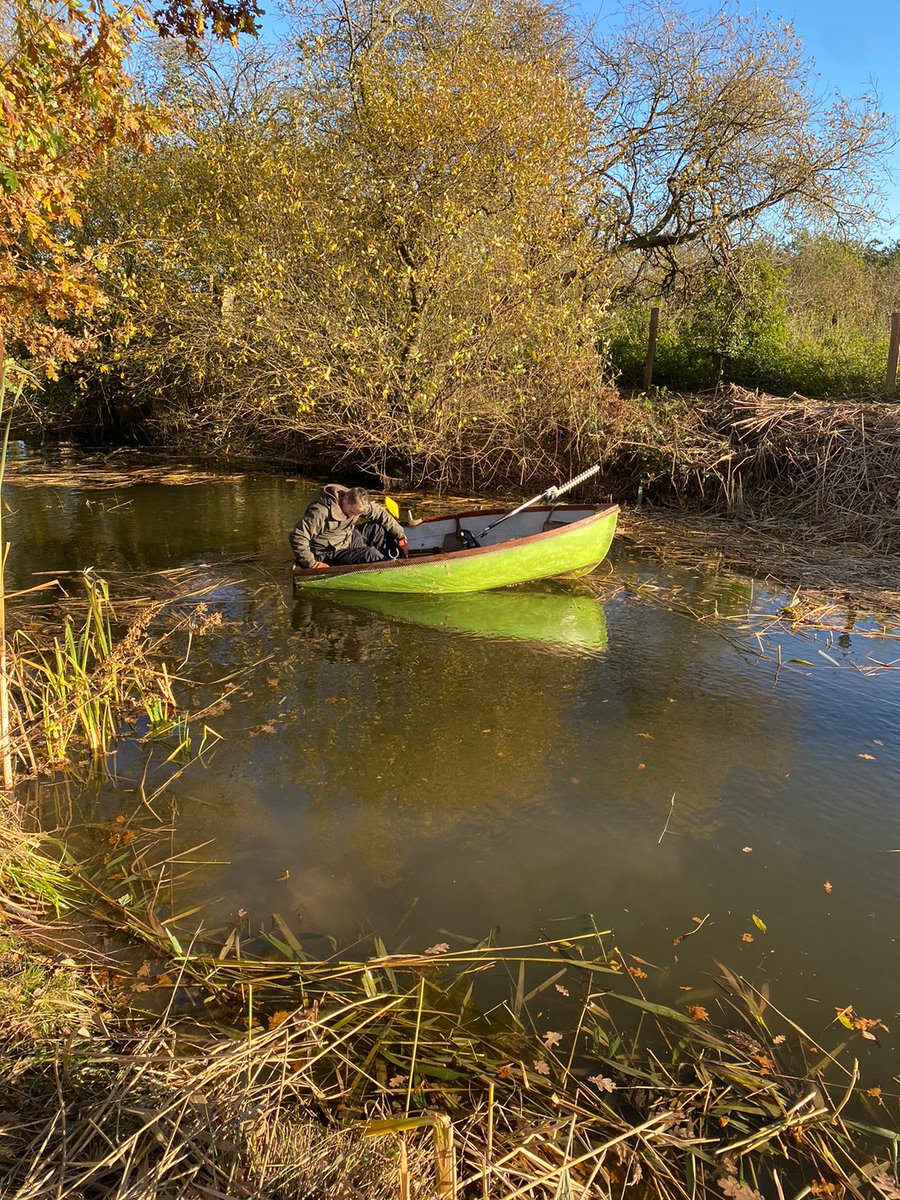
324	530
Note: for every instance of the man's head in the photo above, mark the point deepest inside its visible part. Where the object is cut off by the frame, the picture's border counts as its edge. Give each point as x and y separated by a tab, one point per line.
354	502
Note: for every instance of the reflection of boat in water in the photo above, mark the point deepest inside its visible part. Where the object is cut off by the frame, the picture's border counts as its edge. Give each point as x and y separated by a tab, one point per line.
550	617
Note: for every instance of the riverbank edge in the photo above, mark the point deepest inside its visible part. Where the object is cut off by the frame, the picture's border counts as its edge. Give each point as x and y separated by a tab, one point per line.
784	556
800	492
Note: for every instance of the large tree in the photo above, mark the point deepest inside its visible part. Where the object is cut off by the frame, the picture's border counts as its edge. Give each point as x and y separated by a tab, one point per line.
64	102
710	128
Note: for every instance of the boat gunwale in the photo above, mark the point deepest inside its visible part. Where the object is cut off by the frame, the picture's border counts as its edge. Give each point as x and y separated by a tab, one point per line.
422	560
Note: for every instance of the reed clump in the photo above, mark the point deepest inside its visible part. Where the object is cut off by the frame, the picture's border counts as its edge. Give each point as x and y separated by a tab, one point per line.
830	466
232	1069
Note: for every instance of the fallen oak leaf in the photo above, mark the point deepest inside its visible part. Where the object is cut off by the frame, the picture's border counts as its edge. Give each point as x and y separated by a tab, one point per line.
827	886
602	1082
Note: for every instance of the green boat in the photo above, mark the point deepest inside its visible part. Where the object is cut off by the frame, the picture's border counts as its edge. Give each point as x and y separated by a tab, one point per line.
549	618
538	543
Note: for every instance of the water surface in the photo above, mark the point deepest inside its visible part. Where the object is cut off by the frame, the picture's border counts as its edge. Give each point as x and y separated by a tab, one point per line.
538	760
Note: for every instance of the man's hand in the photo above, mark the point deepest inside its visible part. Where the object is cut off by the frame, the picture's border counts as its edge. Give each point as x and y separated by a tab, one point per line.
403	547
319	566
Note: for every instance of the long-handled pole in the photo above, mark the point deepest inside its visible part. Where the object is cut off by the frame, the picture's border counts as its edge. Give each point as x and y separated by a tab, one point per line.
552	493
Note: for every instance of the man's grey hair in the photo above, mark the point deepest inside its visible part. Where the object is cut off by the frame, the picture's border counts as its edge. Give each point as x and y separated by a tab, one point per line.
358	500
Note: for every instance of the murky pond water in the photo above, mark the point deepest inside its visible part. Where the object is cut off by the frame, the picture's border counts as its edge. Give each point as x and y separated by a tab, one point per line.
535	760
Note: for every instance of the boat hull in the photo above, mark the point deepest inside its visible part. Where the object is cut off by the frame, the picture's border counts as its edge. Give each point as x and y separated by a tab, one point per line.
568	548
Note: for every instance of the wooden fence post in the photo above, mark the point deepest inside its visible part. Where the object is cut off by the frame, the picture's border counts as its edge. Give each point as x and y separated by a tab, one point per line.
893	353
651	348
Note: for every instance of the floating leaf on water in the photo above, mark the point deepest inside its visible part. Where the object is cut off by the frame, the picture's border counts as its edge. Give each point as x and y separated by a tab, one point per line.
827	886
564	991
438	948
541	1067
551	1038
844	1015
778	1039
602	1082
746	937
747	850
278	1018
759	923
642	766
697	1012
867	757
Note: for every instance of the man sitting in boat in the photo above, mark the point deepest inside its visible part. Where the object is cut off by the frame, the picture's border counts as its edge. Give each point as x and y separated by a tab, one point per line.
327	536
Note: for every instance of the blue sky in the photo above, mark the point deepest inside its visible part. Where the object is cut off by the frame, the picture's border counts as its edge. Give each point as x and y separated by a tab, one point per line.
855	42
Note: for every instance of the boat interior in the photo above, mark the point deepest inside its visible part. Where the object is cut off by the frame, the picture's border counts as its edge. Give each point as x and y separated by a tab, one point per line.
447	534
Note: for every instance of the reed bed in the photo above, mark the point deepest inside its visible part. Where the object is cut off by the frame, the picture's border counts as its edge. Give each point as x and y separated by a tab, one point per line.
833	466
783	555
260	1076
81	672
